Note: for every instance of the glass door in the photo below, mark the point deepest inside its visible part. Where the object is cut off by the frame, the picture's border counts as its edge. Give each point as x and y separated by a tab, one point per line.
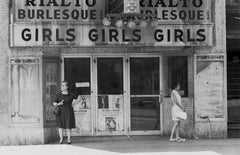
145	94
77	71
110	95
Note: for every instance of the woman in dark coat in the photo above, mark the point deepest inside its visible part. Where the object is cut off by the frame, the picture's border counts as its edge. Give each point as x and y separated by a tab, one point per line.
66	118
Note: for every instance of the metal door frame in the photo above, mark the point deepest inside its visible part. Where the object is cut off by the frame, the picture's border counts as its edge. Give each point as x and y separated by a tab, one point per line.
91	133
126	88
148	132
123	56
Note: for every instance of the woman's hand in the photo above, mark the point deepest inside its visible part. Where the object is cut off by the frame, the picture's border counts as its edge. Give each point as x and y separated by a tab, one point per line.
183	109
55	104
60	103
76	101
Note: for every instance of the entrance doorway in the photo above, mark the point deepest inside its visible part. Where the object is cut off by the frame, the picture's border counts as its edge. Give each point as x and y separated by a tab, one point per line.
110	95
145	94
120	95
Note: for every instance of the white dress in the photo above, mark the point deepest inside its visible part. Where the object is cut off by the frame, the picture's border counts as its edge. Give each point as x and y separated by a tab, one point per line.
175	108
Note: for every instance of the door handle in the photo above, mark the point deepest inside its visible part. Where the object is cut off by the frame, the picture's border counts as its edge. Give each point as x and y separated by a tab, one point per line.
161	97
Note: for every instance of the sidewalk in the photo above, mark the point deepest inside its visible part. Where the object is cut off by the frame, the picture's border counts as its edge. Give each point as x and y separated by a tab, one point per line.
132	146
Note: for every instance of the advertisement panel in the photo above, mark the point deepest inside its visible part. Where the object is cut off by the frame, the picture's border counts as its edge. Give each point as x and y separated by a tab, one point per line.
209	87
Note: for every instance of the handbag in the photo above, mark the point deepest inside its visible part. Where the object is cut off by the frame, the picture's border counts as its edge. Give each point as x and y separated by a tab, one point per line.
181	115
56	110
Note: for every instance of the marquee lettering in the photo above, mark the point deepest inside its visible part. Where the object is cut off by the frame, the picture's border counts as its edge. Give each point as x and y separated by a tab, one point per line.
171	3
64	3
47	35
79	22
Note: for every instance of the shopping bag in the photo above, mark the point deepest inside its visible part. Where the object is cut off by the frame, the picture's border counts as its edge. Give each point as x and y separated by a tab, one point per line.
181	115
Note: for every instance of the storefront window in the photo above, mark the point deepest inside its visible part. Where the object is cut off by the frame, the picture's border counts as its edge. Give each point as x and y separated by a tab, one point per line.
178	72
77	73
144	76
110	76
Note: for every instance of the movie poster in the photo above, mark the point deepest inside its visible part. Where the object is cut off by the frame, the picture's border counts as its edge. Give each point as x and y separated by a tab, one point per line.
110	113
82	111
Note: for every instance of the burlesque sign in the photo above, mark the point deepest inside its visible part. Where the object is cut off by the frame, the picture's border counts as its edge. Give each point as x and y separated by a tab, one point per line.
58	10
79	23
178	10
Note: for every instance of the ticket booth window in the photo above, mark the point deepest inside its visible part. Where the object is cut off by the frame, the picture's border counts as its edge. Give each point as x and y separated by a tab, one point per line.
178	72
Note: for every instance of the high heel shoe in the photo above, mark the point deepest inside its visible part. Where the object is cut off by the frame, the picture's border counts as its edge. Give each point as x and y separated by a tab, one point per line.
69	142
60	142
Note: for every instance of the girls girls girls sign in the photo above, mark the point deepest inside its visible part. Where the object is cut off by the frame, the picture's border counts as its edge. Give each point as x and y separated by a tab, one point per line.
79	23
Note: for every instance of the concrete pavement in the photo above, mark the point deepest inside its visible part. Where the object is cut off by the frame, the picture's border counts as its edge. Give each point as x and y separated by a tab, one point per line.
131	146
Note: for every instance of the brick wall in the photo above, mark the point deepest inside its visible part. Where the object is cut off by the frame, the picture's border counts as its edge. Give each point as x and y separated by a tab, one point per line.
187	126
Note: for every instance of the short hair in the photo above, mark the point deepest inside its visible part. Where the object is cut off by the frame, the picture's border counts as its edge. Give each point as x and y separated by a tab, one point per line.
175	84
66	83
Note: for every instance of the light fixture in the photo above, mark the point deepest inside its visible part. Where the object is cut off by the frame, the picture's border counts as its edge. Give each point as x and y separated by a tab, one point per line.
106	21
131	17
119	23
143	24
154	23
131	6
131	24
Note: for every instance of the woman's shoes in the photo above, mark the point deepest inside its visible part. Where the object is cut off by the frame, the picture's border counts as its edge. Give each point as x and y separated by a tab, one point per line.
177	140
172	139
61	142
180	139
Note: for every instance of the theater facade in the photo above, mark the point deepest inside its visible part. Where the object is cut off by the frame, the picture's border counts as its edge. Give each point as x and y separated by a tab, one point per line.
121	57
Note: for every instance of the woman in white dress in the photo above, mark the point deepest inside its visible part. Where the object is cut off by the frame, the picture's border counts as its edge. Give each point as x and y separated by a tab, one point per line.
176	99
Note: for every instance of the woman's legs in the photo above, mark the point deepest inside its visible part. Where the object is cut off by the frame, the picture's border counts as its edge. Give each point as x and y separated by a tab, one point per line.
60	131
179	139
177	129
173	129
69	135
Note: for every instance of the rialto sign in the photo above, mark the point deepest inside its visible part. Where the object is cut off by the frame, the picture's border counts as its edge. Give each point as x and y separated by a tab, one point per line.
79	23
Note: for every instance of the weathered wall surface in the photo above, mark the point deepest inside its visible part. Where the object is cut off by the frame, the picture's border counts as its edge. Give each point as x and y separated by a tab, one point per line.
21	113
214	127
4	76
4	52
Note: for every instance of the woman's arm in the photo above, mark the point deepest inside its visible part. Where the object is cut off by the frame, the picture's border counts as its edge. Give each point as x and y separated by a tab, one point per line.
58	104
75	101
